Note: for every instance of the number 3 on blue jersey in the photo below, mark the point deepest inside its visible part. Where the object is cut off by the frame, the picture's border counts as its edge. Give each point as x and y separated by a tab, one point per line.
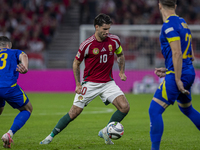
188	38
3	57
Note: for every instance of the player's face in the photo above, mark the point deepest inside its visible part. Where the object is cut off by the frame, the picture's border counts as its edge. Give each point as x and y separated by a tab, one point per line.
102	31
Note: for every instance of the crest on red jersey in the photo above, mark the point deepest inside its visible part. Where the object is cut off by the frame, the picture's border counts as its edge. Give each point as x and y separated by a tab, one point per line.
110	47
95	51
78	55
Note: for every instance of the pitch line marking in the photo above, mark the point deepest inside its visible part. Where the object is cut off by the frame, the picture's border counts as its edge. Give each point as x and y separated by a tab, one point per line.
101	111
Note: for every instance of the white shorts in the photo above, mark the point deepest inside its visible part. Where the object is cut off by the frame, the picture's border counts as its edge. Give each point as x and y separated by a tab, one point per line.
107	92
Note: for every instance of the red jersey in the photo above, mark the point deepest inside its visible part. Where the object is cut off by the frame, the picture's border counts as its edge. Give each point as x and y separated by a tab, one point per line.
99	58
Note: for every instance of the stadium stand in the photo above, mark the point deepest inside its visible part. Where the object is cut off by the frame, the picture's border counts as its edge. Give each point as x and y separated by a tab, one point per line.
31	25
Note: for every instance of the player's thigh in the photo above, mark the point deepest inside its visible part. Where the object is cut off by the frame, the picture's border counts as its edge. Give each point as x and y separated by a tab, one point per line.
167	90
110	92
16	97
90	91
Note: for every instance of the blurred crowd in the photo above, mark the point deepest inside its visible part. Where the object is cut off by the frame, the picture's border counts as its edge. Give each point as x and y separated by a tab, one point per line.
136	11
31	24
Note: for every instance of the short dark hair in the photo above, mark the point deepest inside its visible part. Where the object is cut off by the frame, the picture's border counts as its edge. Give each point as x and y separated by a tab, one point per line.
102	19
168	3
4	41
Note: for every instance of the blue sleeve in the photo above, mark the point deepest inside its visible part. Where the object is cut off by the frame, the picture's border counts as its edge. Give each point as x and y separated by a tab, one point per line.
170	32
18	52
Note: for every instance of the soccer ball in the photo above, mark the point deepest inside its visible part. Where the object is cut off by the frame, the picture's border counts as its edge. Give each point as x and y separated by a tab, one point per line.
115	130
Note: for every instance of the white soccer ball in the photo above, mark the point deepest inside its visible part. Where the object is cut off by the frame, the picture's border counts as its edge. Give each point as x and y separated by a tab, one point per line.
115	130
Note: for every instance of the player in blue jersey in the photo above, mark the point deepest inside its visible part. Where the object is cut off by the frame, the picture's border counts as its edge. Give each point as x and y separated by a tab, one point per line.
175	40
13	62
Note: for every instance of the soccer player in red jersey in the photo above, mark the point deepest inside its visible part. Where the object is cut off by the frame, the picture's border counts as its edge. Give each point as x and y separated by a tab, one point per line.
98	54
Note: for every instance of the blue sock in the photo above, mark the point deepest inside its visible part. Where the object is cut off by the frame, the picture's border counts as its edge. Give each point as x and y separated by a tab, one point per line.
191	113
156	124
20	120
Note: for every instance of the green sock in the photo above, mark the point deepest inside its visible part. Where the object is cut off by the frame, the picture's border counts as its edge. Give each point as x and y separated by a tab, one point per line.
62	123
118	116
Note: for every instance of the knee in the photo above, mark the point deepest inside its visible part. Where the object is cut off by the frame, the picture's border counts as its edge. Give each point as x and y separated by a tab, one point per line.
155	109
30	108
72	115
151	111
75	111
125	108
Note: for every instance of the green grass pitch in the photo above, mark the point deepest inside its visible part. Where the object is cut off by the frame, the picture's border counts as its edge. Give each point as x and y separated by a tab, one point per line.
48	108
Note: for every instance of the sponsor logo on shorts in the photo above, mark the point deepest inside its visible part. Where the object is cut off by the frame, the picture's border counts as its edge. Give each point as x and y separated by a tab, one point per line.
95	51
80	98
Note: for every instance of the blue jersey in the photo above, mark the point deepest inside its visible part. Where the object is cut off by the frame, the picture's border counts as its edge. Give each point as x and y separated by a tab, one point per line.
175	28
9	58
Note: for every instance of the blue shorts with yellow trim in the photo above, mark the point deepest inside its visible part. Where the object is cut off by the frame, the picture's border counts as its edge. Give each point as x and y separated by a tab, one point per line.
168	91
15	96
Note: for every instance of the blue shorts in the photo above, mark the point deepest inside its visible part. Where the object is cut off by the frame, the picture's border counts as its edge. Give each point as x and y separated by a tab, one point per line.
168	91
15	96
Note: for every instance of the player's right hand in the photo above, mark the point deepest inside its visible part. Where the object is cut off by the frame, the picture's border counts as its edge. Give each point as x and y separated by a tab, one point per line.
179	84
78	89
122	76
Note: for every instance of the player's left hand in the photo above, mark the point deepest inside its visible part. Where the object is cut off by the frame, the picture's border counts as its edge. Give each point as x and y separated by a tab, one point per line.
179	84
122	76
160	72
21	68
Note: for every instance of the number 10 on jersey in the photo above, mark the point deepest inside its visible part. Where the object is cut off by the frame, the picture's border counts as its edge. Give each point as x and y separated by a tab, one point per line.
103	58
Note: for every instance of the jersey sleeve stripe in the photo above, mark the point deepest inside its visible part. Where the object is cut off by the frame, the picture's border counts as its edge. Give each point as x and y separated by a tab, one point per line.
173	39
87	50
86	42
116	43
114	36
